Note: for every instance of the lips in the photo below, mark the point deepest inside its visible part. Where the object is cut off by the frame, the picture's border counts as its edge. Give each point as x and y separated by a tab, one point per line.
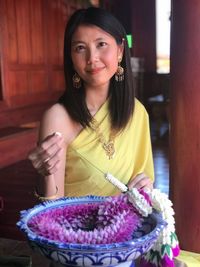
95	70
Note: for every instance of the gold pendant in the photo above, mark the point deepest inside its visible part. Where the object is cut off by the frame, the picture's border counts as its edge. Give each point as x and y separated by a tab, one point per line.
110	149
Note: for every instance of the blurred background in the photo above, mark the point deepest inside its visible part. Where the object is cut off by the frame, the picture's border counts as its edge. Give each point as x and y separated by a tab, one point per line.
163	39
31	53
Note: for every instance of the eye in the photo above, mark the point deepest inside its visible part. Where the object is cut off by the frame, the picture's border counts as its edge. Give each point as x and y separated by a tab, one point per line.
102	44
79	48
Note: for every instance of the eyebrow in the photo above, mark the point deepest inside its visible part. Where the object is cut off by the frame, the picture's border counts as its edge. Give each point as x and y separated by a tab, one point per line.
78	42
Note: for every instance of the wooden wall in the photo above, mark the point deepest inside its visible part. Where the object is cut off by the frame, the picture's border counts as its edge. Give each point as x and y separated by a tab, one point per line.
31	55
31	79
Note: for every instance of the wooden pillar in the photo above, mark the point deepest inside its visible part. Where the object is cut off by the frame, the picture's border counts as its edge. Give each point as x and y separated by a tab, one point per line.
185	122
138	19
143	23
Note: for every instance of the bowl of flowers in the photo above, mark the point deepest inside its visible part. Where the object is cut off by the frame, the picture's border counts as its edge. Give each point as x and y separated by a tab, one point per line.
103	231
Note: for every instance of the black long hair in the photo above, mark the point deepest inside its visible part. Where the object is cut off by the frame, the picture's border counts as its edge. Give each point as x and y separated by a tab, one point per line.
121	94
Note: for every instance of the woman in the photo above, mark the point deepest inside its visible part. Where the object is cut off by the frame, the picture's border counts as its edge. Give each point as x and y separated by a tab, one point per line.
98	126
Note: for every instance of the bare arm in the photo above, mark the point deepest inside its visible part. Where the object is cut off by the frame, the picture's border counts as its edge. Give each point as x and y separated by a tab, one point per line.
49	158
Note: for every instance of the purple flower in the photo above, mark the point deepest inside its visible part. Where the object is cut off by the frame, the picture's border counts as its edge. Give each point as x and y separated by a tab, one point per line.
167	262
176	250
146	196
107	222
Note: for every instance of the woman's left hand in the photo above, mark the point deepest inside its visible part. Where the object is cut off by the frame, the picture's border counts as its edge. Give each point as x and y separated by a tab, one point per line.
140	181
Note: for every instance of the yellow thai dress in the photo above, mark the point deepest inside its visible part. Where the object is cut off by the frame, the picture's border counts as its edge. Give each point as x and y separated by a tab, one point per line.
87	162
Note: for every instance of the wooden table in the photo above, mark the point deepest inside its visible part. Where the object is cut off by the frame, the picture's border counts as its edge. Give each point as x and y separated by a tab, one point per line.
10	247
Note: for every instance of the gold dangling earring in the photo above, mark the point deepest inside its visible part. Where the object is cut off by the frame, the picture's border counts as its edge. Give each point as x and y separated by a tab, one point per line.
119	74
76	80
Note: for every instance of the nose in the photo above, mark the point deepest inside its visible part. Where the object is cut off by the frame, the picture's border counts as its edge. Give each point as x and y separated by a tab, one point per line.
92	56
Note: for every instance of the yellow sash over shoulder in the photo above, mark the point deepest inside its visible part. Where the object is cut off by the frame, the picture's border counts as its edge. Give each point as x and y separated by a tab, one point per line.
87	162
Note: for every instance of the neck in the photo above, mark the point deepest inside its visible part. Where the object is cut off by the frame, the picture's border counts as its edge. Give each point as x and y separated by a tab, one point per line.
95	99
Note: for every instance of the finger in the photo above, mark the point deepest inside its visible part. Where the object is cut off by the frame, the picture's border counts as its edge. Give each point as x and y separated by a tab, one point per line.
33	154
136	179
56	157
37	164
47	167
50	147
53	169
52	138
45	145
45	150
43	172
144	183
46	154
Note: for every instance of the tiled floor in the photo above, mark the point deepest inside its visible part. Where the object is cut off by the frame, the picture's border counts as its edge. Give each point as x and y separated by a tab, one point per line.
160	149
161	166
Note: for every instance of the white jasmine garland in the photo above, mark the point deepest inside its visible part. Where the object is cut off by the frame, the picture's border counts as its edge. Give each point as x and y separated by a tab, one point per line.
139	201
167	243
116	182
162	204
166	247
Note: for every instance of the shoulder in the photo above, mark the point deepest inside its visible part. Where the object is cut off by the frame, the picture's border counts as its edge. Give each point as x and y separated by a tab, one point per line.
140	118
57	119
55	115
139	108
55	110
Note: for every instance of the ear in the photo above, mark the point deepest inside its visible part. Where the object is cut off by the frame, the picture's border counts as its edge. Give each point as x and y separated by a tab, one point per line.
121	50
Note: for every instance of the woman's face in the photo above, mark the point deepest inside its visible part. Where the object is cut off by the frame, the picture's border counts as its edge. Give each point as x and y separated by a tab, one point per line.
95	55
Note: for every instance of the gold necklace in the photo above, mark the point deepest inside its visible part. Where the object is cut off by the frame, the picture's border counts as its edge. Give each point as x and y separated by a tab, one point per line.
107	146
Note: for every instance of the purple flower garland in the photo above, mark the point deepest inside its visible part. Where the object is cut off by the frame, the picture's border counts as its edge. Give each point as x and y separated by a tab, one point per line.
112	221
107	222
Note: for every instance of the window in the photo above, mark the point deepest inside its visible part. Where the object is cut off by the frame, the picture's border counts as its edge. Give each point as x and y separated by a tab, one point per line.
163	11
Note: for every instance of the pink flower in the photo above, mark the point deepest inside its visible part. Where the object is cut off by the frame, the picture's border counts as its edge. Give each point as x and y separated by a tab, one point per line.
98	223
176	251
167	262
146	196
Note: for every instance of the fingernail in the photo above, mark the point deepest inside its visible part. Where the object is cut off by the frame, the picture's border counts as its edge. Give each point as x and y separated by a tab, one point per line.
58	133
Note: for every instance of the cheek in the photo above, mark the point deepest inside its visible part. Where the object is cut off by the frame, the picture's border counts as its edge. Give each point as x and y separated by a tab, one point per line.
77	61
111	60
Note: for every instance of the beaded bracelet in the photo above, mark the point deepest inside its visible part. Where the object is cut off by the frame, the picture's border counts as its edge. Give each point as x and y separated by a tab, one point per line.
41	198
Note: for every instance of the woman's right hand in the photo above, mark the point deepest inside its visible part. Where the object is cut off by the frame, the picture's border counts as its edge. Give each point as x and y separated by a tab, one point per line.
46	156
